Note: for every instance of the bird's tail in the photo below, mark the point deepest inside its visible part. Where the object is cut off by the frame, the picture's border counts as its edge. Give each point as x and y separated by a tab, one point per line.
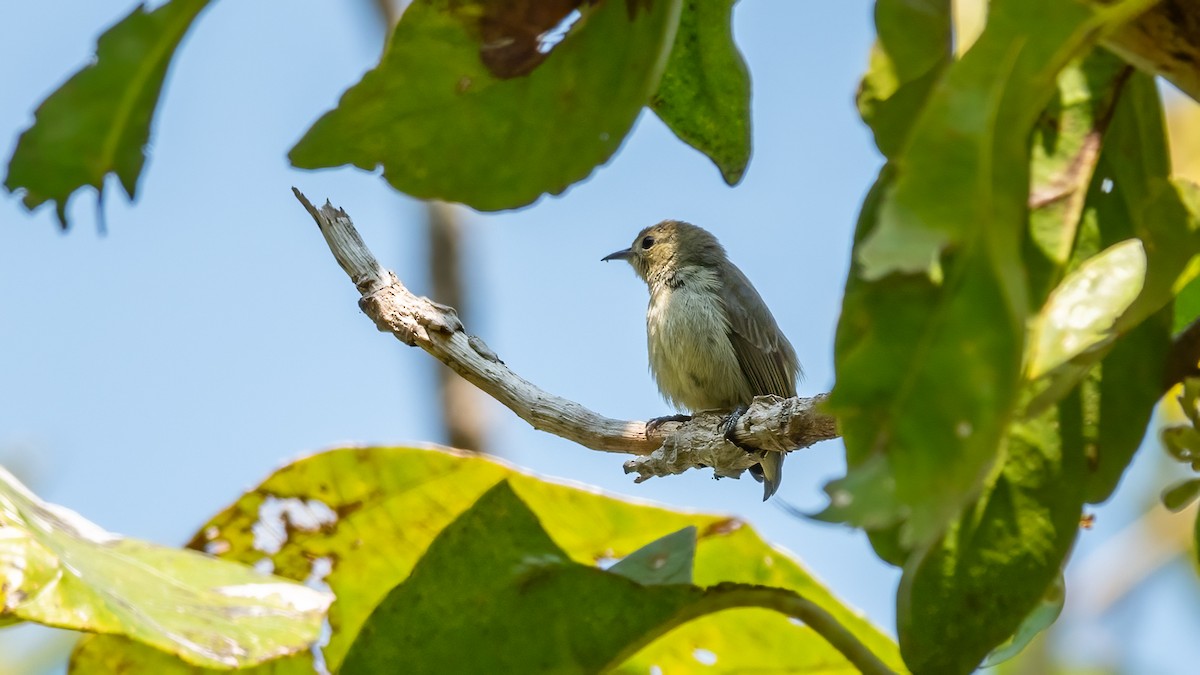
771	469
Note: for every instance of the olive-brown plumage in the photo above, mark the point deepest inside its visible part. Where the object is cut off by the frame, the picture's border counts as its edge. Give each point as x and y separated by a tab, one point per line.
712	341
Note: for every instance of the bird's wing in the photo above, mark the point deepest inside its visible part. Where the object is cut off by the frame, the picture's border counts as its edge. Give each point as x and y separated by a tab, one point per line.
763	352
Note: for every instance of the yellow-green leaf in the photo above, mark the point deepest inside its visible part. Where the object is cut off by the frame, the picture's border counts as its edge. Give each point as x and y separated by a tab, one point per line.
61	570
361	518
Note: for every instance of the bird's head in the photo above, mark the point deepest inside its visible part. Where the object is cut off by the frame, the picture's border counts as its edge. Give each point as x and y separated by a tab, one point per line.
661	250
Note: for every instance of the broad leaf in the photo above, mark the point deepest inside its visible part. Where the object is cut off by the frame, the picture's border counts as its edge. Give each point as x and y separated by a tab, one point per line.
61	570
704	95
969	593
495	580
359	519
98	122
447	120
929	357
913	49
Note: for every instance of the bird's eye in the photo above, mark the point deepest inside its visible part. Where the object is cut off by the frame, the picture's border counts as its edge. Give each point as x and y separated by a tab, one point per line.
647	242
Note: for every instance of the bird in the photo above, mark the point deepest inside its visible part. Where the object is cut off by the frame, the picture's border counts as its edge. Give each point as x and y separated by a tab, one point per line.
712	342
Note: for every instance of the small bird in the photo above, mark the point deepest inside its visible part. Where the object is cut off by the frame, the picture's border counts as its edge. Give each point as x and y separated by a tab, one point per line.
713	343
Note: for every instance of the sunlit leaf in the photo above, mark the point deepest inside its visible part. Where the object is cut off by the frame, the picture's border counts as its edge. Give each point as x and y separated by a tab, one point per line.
495	580
1131	196
1187	305
359	519
61	570
1082	312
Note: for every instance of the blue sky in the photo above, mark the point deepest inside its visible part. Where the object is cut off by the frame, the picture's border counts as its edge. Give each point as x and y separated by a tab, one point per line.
153	374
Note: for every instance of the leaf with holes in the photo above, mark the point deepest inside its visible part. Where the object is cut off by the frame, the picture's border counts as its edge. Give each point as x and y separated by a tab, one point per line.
60	570
359	520
495	580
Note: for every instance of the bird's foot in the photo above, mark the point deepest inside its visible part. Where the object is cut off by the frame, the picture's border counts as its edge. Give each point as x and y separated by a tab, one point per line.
730	425
656	422
768	471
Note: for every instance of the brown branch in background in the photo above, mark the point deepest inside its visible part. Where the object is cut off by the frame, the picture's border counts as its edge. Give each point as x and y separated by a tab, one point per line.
463	418
462	415
389	12
771	423
1164	41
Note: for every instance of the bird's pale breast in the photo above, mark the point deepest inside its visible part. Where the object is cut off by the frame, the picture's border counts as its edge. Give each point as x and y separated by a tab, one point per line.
691	356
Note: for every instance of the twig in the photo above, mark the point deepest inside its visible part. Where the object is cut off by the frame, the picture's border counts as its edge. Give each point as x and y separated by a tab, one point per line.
772	424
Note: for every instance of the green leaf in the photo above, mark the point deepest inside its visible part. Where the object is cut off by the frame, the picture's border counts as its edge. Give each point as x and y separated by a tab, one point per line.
495	580
359	519
1131	195
1066	148
929	364
912	51
1196	541
975	126
667	560
98	122
704	95
1041	618
1181	495
973	589
1129	390
1082	312
1187	305
445	123
61	570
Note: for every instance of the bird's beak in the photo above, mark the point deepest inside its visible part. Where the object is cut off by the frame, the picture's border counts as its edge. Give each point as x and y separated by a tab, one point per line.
623	254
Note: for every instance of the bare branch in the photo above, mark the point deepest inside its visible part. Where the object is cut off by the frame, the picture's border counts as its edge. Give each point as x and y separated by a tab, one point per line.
771	423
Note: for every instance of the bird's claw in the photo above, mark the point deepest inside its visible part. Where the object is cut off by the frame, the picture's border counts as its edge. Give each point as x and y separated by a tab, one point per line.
730	425
656	422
